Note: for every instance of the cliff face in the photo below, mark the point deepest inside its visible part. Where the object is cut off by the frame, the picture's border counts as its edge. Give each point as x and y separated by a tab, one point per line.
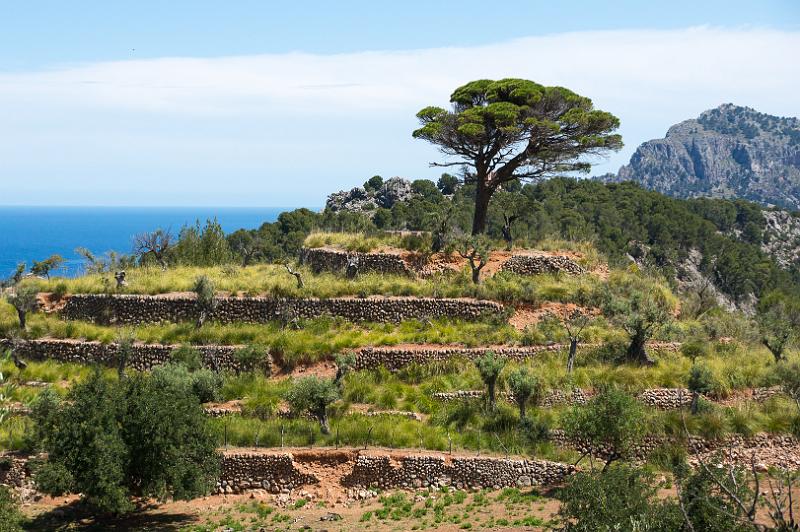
727	152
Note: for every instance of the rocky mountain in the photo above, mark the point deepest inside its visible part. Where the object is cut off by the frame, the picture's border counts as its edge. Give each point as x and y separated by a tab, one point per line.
727	152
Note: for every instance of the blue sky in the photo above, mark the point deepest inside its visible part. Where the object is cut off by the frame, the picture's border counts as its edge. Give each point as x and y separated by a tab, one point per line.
261	103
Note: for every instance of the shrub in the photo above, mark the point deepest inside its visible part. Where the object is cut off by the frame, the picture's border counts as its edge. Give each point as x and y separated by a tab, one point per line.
144	436
701	381
187	356
255	357
621	498
10	516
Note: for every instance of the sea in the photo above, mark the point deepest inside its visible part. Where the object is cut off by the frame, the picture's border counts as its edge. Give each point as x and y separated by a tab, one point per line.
35	233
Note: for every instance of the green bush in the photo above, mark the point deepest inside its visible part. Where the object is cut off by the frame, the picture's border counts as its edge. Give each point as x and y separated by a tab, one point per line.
621	498
143	436
10	516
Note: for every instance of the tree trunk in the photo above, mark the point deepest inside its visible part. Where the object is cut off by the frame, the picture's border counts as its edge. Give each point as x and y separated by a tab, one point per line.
521	405
476	275
322	417
776	352
491	393
21	314
637	352
201	319
573	351
482	197
695	401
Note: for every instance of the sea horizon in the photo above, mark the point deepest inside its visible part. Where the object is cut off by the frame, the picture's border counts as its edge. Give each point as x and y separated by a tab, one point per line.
35	232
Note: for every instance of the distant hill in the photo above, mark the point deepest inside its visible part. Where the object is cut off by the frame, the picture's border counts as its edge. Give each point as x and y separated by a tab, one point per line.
727	152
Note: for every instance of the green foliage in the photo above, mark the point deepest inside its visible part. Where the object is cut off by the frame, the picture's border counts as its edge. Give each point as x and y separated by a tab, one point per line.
44	267
621	498
701	380
708	507
447	184
514	129
255	358
206	246
524	386
640	306
24	299
205	384
489	366
313	395
10	516
779	322
612	420
204	290
373	183
143	436
188	357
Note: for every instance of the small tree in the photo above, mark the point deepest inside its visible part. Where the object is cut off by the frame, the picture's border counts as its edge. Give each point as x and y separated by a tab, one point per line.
373	184
573	321
204	289
789	379
611	422
125	340
43	268
779	322
476	250
622	498
344	365
313	395
489	366
701	381
524	387
156	244
296	274
24	299
640	306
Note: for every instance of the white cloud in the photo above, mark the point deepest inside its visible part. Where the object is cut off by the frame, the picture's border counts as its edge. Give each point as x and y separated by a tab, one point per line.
199	116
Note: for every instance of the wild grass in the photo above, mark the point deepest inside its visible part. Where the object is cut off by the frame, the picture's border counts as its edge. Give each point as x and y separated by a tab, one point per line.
273	280
316	339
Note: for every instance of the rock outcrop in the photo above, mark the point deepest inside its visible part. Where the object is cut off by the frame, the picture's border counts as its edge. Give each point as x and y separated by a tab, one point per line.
727	152
361	200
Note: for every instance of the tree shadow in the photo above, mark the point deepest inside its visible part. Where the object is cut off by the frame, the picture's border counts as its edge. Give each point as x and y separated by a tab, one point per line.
78	516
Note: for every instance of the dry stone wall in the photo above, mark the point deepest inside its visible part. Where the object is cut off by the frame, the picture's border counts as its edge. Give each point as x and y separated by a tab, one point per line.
283	471
272	472
395	358
336	261
133	309
538	264
142	357
412	472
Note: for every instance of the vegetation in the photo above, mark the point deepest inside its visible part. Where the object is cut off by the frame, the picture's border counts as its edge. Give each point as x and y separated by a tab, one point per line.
313	395
489	366
513	129
110	440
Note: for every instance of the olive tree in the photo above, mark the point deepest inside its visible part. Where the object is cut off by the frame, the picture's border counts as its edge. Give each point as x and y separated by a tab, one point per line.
524	387
611	423
515	129
639	305
204	290
779	322
23	297
313	395
476	250
490	366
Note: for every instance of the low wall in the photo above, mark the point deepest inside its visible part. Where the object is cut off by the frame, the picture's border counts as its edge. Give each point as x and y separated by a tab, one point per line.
132	309
242	471
336	261
538	264
394	358
143	356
